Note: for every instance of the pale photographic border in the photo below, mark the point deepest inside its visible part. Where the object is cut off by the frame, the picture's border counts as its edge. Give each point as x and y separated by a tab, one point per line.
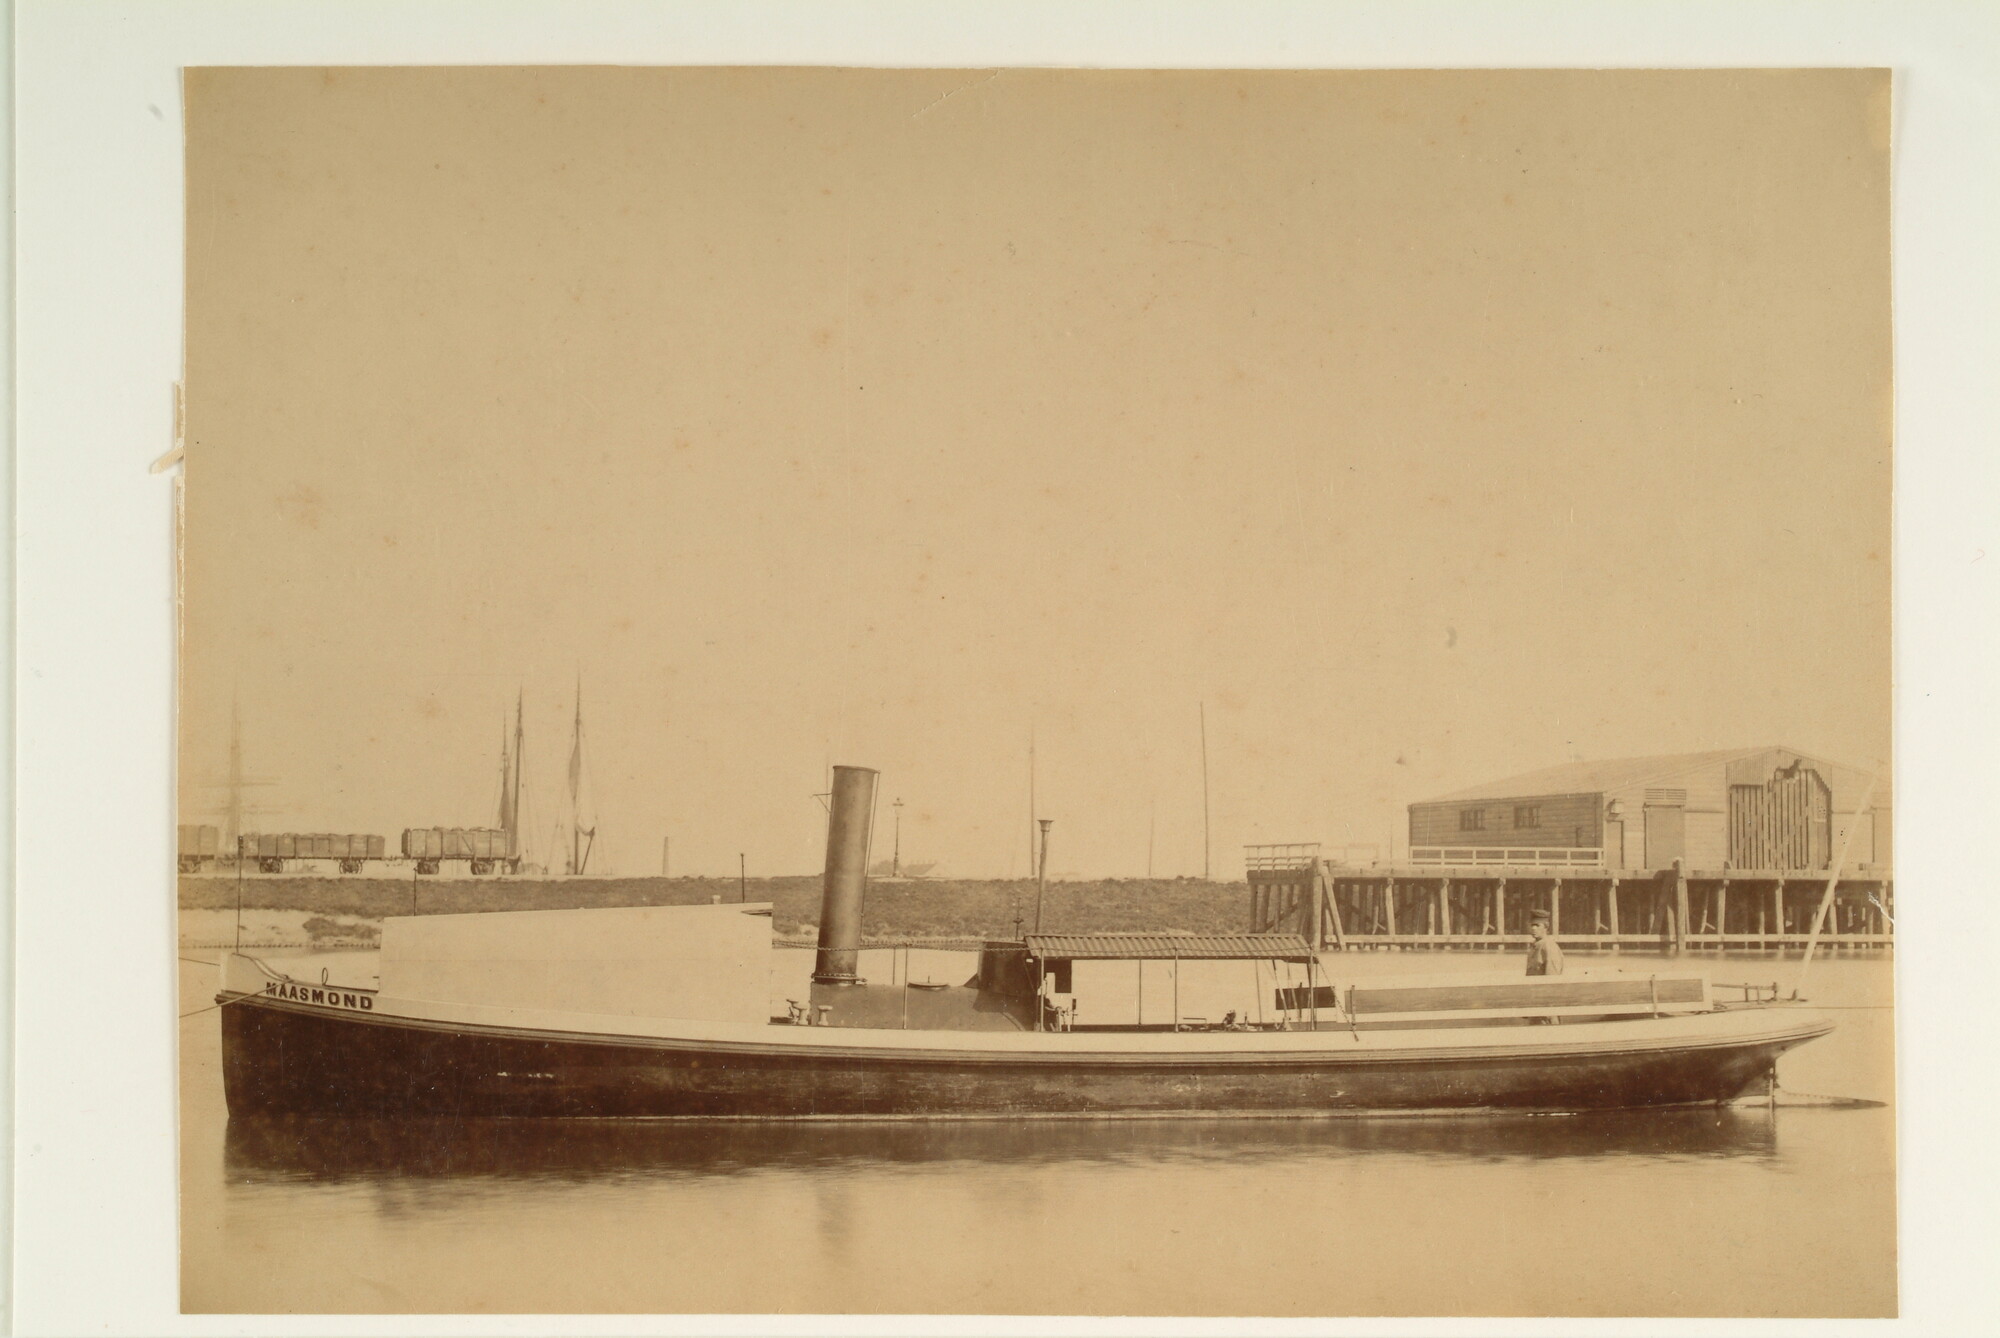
98	328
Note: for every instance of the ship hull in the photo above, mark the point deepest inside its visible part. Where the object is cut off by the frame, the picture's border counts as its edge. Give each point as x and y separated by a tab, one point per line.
294	1058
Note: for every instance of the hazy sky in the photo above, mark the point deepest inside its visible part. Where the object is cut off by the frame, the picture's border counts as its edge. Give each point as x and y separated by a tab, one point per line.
1426	427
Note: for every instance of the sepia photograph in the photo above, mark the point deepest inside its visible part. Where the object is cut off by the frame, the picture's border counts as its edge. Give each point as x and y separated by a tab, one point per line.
1036	692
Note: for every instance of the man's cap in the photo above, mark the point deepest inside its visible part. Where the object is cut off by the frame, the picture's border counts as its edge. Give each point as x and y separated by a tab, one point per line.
1539	918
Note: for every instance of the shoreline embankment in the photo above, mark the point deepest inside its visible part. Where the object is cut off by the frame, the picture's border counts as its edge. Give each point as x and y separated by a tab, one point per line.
939	908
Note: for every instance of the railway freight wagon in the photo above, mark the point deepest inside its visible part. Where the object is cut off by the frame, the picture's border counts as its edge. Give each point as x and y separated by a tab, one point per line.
198	847
482	848
272	850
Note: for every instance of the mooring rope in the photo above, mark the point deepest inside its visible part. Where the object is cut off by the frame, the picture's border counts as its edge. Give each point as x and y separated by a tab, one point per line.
212	1007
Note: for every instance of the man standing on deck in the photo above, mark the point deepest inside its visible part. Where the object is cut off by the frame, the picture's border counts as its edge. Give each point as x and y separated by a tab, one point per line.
1545	956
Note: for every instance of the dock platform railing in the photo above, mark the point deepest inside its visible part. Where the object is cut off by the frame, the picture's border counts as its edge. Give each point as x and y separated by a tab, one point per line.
1283	858
1486	857
1475	901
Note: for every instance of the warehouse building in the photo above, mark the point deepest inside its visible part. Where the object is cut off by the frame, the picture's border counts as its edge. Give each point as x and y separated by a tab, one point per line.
1768	808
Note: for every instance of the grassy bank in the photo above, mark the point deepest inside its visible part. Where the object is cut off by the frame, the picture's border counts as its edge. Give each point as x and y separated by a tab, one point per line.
926	908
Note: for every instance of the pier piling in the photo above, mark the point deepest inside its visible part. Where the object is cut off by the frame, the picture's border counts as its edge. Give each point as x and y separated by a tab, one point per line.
1468	907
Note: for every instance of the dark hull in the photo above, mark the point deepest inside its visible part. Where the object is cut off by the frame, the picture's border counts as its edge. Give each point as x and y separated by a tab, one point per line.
280	1059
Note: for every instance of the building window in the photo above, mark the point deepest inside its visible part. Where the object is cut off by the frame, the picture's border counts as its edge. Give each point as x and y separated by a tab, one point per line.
1527	815
1472	819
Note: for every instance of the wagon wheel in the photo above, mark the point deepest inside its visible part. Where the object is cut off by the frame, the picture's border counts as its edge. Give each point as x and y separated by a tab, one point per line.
480	866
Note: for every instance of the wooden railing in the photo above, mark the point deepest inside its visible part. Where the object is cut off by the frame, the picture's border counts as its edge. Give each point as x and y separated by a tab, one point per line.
1489	856
1295	855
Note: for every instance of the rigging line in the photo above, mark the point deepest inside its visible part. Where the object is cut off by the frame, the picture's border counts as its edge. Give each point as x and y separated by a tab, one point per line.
212	1007
868	849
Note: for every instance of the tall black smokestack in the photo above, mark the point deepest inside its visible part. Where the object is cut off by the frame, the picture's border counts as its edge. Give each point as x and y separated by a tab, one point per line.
847	833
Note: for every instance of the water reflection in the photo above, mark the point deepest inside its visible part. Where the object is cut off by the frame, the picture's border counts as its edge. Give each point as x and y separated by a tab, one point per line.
281	1149
1725	1211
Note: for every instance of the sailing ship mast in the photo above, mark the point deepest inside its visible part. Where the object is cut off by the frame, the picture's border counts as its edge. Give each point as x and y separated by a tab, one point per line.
236	808
510	783
506	822
581	838
520	752
232	823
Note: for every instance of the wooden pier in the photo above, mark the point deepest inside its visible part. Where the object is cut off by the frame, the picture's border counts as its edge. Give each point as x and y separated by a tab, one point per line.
1483	907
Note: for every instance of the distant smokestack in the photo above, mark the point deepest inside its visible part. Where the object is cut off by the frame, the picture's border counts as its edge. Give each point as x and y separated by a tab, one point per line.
847	833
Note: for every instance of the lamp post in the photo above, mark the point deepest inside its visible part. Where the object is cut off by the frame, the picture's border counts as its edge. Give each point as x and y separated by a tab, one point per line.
896	868
1042	874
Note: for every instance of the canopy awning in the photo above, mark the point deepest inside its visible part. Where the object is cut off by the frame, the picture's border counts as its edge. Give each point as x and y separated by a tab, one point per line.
1166	947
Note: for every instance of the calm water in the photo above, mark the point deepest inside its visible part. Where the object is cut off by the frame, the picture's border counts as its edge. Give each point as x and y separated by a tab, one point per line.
1738	1211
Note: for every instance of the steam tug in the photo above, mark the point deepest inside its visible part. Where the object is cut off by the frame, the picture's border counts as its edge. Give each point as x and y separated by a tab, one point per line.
650	1012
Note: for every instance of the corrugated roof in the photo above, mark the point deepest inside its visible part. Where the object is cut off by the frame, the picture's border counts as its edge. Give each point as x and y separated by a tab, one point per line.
1621	773
1161	947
